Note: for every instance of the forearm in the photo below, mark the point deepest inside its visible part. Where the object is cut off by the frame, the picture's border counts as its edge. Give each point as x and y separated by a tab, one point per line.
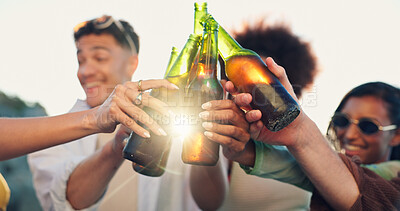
275	162
24	135
90	178
208	185
248	156
324	167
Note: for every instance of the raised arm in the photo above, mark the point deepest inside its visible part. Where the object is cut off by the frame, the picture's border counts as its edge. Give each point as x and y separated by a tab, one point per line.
24	135
308	146
21	136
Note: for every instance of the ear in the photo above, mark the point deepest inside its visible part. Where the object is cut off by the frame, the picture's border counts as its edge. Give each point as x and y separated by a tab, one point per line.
133	63
396	138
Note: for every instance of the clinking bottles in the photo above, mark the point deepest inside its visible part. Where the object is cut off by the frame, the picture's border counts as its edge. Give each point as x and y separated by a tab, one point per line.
249	74
179	70
197	148
150	155
200	12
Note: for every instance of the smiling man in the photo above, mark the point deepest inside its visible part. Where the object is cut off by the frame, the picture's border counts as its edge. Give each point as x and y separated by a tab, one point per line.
76	175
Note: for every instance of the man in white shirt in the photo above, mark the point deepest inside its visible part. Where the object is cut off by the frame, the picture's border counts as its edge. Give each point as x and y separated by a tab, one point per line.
76	175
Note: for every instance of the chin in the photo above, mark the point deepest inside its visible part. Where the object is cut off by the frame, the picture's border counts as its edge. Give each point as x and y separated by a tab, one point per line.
94	102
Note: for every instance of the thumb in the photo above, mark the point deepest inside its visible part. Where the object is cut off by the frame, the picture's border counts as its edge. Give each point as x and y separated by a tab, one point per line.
280	73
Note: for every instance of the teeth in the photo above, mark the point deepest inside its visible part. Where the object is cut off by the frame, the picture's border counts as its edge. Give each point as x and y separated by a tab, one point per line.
92	84
352	147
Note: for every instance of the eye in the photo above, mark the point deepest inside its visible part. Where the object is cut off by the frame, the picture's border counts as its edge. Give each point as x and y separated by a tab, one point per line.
81	60
340	121
100	59
368	126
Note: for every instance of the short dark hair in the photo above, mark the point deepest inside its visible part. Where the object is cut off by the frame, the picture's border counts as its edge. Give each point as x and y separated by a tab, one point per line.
89	28
288	50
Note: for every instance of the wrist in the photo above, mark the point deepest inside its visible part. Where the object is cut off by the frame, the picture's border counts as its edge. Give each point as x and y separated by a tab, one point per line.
110	152
247	158
307	131
89	121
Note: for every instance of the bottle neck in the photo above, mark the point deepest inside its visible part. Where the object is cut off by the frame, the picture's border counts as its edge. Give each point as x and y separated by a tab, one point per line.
209	53
227	46
172	58
200	11
185	58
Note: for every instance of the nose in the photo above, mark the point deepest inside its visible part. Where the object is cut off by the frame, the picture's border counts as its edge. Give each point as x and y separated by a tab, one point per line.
352	132
86	70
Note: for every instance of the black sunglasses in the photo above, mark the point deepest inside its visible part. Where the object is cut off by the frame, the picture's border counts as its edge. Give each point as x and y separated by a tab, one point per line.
367	126
106	21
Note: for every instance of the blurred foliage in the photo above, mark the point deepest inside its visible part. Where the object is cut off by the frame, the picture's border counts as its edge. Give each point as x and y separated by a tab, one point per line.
16	171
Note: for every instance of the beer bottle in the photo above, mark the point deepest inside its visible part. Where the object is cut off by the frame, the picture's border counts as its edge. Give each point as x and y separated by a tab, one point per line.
150	155
155	170
200	12
180	69
171	61
197	148
250	74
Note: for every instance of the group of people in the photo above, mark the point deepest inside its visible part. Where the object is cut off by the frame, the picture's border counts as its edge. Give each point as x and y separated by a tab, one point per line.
296	168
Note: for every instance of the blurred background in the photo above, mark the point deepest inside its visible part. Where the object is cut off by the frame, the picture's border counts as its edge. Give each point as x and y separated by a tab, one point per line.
355	42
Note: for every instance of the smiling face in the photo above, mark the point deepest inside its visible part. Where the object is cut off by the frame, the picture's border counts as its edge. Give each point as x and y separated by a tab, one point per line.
103	64
374	148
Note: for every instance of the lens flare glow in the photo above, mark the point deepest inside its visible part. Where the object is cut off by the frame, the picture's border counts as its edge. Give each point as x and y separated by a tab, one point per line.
182	126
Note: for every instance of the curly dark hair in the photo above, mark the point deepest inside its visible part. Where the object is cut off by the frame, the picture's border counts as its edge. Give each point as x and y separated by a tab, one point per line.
288	50
89	28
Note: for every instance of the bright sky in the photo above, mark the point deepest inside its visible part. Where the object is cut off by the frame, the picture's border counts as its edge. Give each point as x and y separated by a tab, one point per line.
356	42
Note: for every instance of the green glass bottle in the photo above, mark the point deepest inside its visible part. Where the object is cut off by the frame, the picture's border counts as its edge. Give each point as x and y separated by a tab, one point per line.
171	61
197	148
200	12
150	155
250	74
179	70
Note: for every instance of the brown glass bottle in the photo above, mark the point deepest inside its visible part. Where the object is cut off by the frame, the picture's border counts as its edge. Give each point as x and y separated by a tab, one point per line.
150	155
250	74
197	148
157	169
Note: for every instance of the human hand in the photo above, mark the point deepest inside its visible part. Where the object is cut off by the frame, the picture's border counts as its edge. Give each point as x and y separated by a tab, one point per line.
120	139
120	108
288	135
228	127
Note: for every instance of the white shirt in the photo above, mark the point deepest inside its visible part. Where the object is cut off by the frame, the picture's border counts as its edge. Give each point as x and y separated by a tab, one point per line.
171	191
52	167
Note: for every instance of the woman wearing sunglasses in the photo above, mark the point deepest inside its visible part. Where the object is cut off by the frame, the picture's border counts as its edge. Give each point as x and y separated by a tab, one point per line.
366	125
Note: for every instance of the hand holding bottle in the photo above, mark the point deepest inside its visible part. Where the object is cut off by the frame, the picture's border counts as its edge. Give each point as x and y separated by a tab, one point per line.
258	131
228	128
120	108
